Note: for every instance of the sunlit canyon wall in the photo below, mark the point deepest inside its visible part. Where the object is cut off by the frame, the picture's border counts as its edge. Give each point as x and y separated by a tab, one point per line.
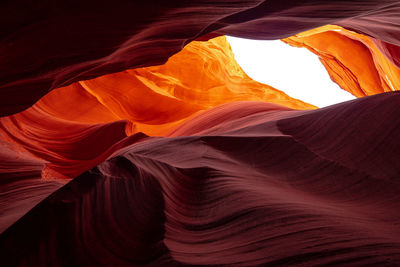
131	137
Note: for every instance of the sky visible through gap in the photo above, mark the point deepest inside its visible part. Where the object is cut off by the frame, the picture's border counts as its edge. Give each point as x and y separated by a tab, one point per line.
295	71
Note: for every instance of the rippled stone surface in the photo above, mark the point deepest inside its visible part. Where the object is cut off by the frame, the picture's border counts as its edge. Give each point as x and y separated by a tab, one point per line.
281	187
147	156
45	45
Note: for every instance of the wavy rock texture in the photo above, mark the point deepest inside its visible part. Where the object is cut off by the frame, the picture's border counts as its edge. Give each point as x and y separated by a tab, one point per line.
68	139
201	76
46	45
21	184
280	188
354	61
191	162
70	148
67	136
40	153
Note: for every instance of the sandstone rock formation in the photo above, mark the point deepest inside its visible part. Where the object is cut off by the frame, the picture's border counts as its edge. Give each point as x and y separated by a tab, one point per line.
131	137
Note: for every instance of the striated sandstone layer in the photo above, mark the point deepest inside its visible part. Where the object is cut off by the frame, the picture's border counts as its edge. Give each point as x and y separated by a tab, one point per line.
354	61
158	150
45	45
282	187
201	76
65	126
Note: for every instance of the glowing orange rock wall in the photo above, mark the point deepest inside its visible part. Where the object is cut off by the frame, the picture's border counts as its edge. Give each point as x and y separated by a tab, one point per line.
46	45
214	182
64	127
154	99
351	59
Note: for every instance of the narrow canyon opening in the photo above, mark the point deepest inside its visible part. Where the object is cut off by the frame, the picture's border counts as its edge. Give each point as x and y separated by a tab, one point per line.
295	71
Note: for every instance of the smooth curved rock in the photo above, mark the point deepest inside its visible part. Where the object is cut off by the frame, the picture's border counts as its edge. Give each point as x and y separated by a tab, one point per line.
282	189
46	45
226	182
354	61
155	99
69	148
21	183
76	127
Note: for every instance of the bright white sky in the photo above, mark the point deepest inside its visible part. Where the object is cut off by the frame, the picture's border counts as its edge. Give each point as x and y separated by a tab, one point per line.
296	71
